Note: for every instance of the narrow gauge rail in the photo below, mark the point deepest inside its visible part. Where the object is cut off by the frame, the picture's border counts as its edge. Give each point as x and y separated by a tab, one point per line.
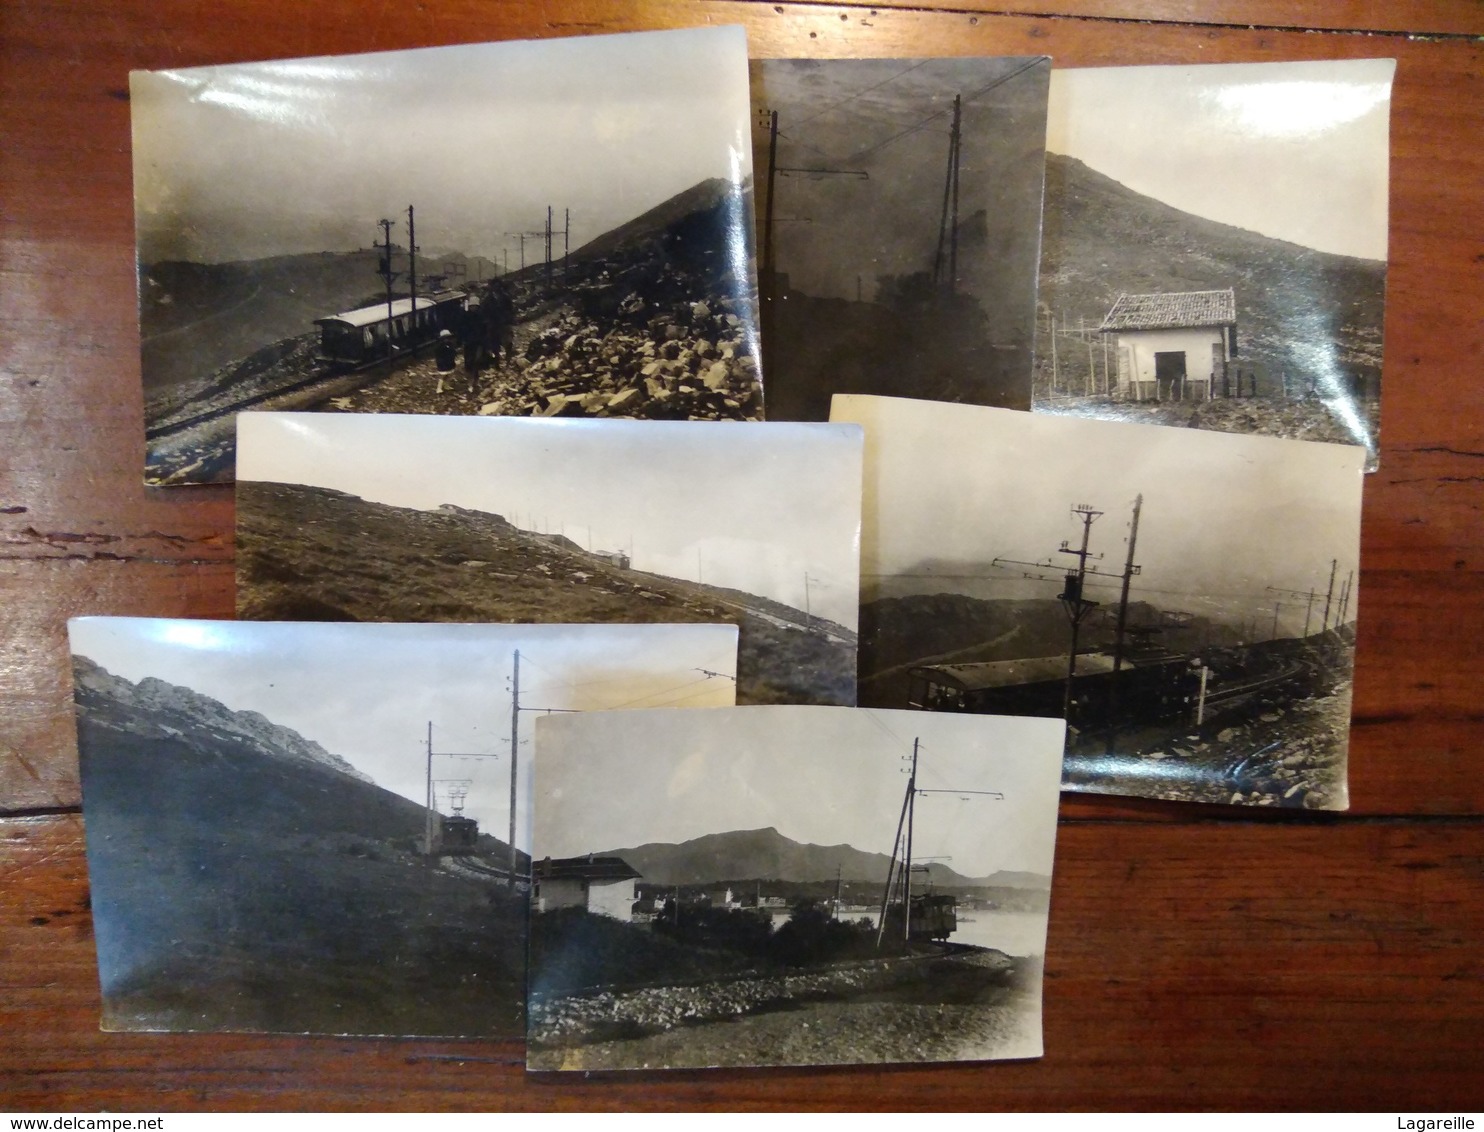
350	342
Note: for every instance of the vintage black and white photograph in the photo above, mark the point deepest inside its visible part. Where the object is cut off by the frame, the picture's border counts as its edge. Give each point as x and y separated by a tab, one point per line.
1185	600
1214	253
547	228
320	828
789	886
898	219
369	517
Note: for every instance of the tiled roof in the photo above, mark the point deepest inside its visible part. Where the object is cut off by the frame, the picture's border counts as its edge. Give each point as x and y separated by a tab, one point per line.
1172	311
586	868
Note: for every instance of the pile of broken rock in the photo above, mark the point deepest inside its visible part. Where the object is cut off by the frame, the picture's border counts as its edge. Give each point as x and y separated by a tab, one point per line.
692	362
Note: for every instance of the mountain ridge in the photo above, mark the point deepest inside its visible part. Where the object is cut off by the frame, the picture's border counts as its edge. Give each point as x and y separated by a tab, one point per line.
146	707
767	854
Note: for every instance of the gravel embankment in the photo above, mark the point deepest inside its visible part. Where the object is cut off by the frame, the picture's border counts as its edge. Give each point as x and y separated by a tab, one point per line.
906	1009
963	1008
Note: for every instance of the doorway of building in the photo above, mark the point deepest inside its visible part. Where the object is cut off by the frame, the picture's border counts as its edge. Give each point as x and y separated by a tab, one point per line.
1169	374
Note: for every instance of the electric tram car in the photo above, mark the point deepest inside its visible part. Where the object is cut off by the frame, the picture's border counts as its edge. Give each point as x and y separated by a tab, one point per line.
1149	686
458	836
359	337
934	916
1152	684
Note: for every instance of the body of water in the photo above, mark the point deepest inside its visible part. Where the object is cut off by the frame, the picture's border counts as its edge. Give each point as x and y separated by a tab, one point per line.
1021	934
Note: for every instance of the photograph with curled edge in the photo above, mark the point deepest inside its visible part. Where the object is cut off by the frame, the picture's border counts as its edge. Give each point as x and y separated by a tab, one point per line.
1214	247
559	227
899	222
299	828
1184	599
789	886
383	517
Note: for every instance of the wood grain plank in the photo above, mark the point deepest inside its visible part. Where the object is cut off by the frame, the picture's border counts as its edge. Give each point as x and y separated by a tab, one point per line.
1416	17
1262	966
38	744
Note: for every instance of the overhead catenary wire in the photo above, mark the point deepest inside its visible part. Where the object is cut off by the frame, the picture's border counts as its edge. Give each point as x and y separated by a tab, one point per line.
860	155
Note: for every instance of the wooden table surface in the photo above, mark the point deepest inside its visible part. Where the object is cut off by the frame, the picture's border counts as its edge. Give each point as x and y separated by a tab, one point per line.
1198	958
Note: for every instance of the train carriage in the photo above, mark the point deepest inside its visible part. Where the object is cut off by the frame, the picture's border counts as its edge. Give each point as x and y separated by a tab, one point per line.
358	337
1150	686
934	917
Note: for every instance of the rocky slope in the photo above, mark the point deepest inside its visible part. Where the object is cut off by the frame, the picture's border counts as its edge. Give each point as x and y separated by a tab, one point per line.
655	319
154	709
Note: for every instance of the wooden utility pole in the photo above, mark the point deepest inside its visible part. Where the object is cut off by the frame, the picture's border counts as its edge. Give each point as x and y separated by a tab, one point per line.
892	866
772	182
1076	605
948	219
902	875
514	759
387	275
1074	582
428	829
907	855
566	238
953	232
1309	595
522	236
412	267
1129	570
1092	369
768	265
1330	593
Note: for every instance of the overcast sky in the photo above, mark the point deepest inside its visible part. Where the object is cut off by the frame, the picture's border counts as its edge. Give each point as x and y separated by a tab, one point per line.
890	120
1224	516
250	160
749	506
367	692
1296	151
820	775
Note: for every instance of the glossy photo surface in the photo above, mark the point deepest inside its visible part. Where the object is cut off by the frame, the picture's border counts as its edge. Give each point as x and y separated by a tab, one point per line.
309	828
727	887
1185	600
361	517
899	222
554	228
1214	251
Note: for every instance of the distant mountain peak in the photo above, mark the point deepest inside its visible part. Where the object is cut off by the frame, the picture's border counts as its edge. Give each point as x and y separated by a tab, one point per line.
155	708
767	854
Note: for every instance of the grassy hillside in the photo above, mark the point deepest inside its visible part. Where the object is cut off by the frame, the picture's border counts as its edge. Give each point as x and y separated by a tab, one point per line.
234	890
313	554
1313	316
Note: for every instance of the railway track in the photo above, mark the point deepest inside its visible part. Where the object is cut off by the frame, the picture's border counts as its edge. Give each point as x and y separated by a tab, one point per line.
331	381
471	868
